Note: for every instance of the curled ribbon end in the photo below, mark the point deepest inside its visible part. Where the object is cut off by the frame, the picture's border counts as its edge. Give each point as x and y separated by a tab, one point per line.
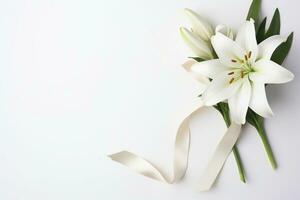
204	188
188	64
146	168
118	156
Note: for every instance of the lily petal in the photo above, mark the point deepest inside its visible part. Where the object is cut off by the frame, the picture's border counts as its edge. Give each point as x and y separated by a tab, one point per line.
225	30
219	90
209	68
200	26
197	45
238	103
246	38
226	48
202	79
259	102
268	46
267	71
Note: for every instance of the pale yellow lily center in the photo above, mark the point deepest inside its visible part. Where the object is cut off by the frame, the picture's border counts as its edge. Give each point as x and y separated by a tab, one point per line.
243	69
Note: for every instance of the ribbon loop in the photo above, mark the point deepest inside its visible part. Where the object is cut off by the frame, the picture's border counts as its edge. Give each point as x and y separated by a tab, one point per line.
181	151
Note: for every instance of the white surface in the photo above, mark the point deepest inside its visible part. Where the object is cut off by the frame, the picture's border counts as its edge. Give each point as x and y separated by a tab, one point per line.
82	79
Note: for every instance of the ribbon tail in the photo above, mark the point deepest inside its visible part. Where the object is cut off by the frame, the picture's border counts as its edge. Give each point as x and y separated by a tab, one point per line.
181	152
144	167
138	164
219	156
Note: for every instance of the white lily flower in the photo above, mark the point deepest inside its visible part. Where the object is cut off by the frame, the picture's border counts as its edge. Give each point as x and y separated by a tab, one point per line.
225	30
241	71
199	77
198	38
203	29
201	48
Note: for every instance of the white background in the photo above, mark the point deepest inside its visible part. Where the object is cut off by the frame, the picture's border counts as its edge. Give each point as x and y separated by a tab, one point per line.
83	79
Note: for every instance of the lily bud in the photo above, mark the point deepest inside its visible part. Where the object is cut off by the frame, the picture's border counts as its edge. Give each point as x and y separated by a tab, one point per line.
225	30
201	48
199	26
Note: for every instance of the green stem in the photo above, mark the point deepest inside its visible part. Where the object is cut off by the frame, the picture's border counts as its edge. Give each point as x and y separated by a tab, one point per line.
235	150
239	164
258	122
267	146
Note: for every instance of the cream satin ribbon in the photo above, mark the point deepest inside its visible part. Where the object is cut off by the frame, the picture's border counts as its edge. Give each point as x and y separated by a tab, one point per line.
181	151
219	157
182	141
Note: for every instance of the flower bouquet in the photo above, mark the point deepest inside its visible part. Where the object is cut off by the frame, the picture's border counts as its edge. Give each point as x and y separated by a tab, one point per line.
235	68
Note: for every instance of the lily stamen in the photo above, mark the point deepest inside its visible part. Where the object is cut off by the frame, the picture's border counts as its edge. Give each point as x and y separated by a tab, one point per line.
230	73
233	60
249	54
242	74
246	57
231	80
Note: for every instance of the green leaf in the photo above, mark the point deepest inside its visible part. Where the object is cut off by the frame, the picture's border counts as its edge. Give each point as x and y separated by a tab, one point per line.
197	59
282	50
261	31
258	122
217	107
274	28
254	119
254	11
224	110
